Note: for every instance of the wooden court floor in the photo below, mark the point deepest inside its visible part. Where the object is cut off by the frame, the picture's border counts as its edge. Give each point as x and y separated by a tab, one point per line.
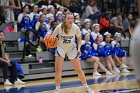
123	83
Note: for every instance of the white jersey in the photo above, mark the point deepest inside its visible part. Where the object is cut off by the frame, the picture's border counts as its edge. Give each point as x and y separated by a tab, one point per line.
113	43
84	31
94	35
67	39
103	43
20	16
38	25
31	15
95	46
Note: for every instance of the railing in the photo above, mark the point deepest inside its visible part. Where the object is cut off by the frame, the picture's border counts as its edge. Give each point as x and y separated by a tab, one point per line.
28	40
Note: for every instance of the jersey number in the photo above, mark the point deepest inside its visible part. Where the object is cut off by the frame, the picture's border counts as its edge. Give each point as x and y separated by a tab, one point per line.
67	41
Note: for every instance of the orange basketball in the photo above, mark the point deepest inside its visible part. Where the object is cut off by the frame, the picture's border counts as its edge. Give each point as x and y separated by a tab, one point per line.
51	41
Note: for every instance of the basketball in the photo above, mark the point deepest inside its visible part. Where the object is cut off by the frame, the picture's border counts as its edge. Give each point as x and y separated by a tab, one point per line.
51	41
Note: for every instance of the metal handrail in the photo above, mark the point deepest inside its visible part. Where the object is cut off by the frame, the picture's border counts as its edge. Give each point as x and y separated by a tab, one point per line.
28	40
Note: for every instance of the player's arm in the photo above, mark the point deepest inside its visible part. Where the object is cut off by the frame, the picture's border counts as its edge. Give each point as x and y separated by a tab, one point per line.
79	41
116	25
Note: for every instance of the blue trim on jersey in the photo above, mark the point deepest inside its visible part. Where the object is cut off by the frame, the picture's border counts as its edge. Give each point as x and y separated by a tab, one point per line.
76	56
58	54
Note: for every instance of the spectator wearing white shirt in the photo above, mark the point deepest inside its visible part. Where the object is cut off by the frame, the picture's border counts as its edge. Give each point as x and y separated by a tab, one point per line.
95	31
42	29
78	23
89	55
119	53
86	29
43	10
59	16
34	16
76	16
50	18
24	19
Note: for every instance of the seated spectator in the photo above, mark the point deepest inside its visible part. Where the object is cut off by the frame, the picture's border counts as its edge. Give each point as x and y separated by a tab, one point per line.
126	22
117	23
60	17
95	31
78	23
86	29
92	11
119	54
62	9
53	26
24	19
99	46
42	29
7	7
76	16
132	27
105	24
90	55
6	63
51	9
43	10
50	18
34	16
130	17
108	49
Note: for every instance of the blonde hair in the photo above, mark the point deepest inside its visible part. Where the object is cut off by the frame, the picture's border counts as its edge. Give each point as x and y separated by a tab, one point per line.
64	26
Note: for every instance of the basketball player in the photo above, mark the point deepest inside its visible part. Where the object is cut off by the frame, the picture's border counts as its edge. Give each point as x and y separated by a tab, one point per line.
67	32
135	45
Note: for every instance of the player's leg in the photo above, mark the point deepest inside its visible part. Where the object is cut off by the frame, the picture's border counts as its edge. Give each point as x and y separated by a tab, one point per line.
59	59
77	66
58	72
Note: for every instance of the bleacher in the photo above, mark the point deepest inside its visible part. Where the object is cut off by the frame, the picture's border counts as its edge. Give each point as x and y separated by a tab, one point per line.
35	70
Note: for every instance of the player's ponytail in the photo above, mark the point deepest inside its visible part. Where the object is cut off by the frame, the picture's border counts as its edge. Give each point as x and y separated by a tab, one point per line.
64	26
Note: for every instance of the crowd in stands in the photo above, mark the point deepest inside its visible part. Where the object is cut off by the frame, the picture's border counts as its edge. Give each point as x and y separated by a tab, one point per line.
101	32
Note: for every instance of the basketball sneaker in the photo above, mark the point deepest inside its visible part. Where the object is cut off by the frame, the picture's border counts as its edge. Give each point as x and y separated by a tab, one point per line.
18	81
89	91
57	91
7	82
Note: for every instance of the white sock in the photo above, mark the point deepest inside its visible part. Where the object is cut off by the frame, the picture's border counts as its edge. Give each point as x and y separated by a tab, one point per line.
86	86
57	88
